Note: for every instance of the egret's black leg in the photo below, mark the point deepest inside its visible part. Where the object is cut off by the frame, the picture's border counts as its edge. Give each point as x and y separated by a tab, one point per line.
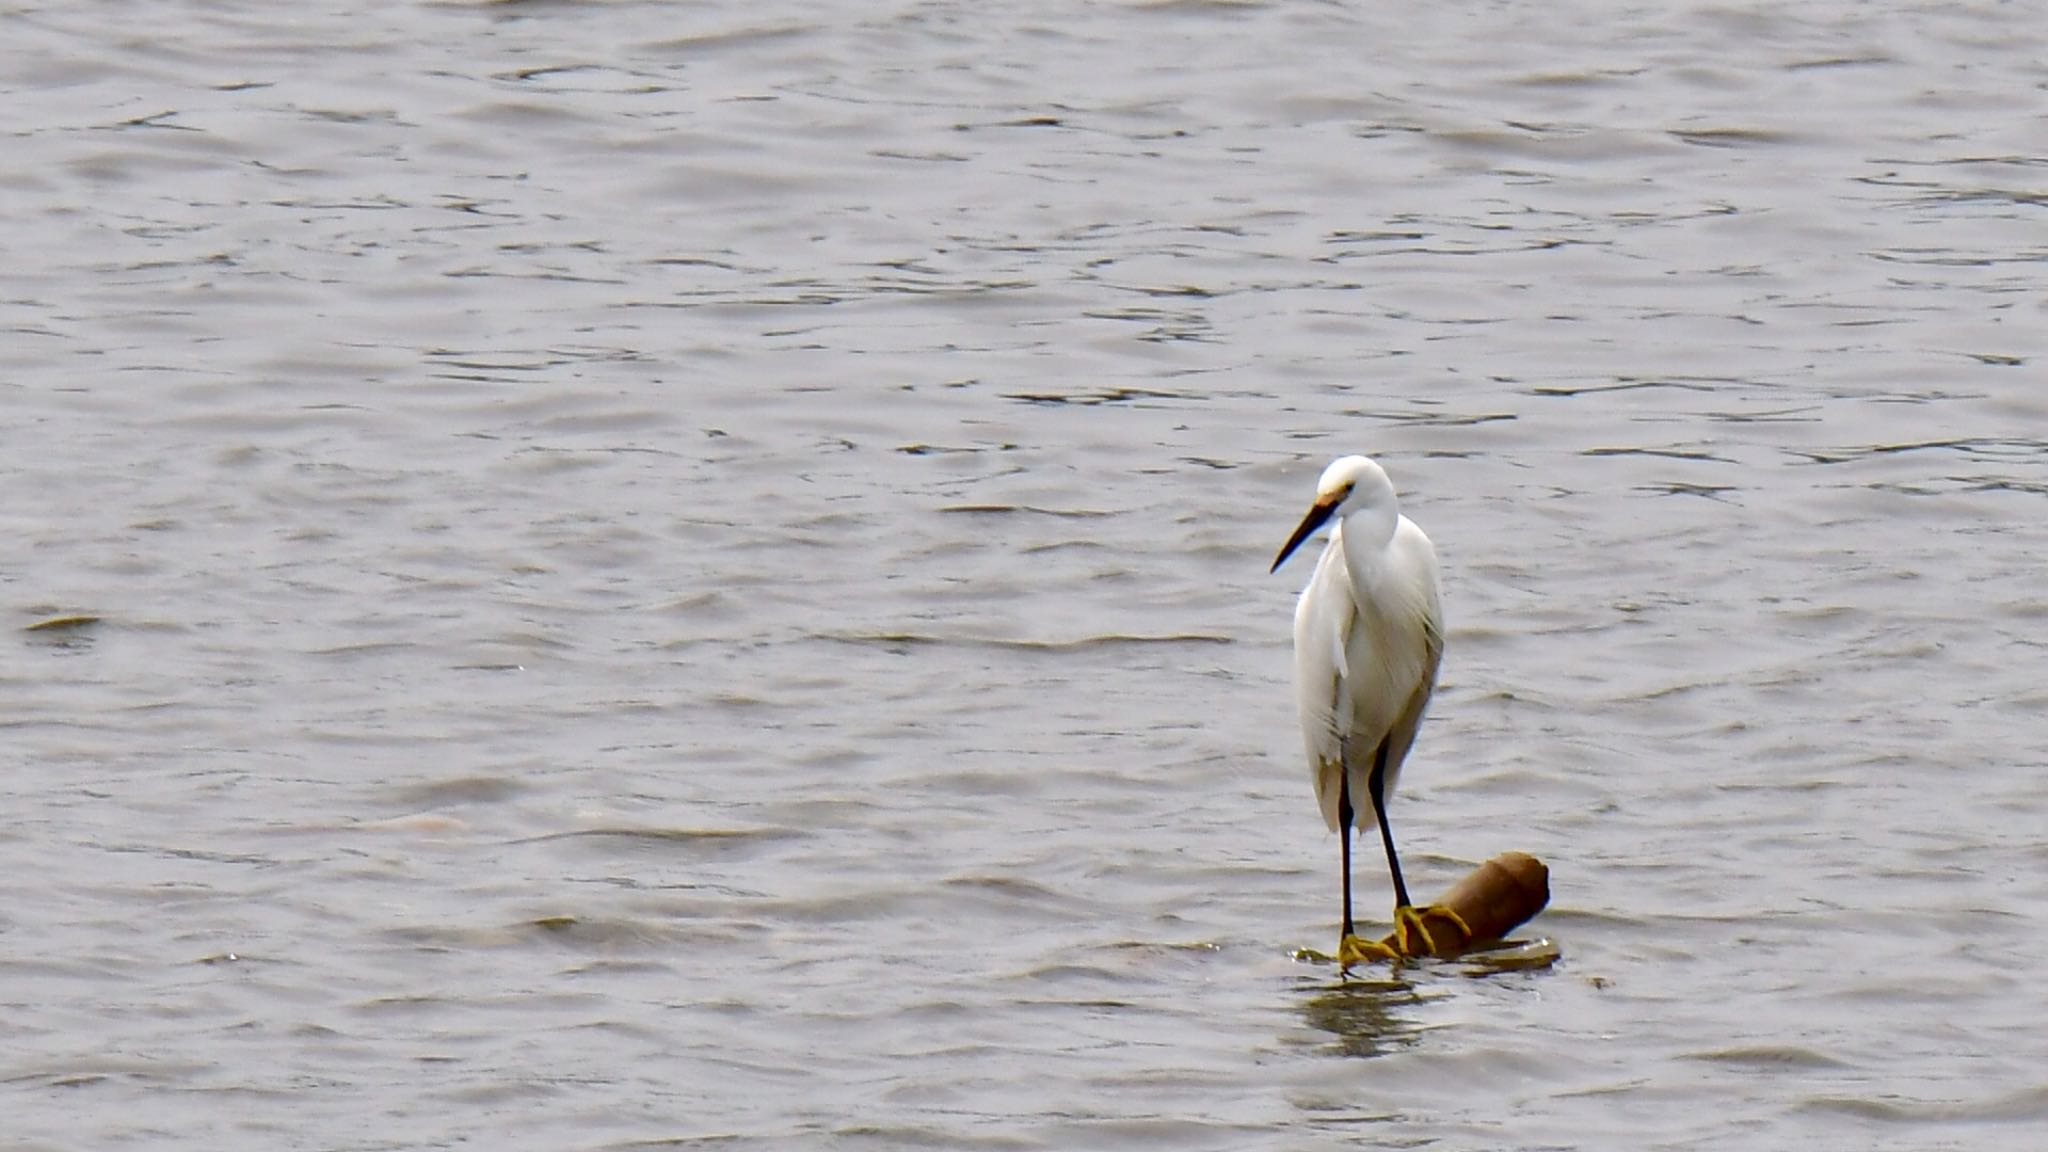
1344	815
1350	949
1377	783
1411	924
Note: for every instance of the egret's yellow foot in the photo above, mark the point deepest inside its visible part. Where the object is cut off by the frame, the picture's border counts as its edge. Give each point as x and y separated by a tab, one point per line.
1352	950
1414	937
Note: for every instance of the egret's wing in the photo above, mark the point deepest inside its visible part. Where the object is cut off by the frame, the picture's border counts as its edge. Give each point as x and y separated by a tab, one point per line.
1322	627
1424	611
1401	736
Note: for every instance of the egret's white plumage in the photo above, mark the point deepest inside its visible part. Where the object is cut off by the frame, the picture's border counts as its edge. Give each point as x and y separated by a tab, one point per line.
1368	636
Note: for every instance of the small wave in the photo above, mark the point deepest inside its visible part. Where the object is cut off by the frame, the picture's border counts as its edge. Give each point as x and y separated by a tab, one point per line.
1770	1057
1013	644
1008	509
710	839
2027	1105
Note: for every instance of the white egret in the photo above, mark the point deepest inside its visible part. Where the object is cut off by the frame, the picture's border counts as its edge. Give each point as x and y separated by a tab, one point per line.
1368	635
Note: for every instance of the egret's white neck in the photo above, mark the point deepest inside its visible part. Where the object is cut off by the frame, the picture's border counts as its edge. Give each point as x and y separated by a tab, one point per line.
1369	526
1365	533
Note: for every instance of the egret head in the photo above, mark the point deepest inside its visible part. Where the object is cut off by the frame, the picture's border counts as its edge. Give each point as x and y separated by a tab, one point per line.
1350	484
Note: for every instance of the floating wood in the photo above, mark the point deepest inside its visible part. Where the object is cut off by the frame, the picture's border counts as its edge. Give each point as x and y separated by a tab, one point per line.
1496	898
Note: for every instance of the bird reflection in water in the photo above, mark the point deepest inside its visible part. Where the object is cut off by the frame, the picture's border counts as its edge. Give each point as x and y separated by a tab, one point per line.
1373	1017
1363	1017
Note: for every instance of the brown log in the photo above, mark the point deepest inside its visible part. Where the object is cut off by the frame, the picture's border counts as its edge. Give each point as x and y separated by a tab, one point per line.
1497	897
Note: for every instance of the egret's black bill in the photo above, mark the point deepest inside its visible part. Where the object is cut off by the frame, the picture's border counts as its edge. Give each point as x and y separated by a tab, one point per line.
1309	524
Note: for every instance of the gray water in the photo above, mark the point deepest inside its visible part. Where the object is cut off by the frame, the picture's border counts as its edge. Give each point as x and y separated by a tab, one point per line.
695	575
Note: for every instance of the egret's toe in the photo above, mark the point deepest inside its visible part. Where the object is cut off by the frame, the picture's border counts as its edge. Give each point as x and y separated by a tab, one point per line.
1353	950
1413	935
